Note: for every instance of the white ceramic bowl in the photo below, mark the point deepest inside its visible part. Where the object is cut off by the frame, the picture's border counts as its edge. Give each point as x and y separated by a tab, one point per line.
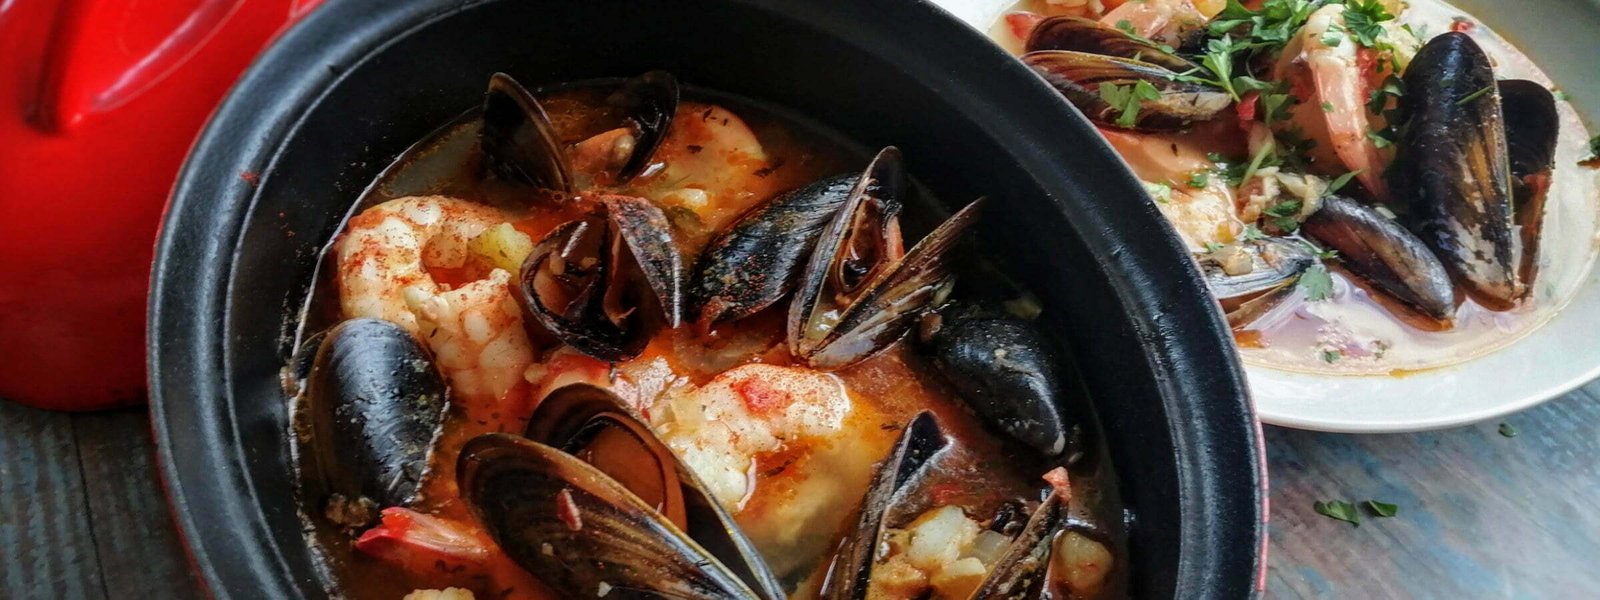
1552	360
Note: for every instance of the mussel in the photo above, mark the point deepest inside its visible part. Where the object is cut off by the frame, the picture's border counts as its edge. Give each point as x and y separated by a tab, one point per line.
1262	265
586	434
900	480
1003	368
1454	165
374	404
606	284
1532	125
521	144
752	264
861	290
1083	59
1383	252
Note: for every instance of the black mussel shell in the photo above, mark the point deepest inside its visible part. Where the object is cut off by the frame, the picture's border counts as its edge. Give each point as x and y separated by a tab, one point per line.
850	575
1532	127
1454	169
1078	34
597	427
893	301
519	142
375	404
1275	263
1081	78
1383	252
1003	368
754	262
651	100
1021	572
859	245
606	284
578	530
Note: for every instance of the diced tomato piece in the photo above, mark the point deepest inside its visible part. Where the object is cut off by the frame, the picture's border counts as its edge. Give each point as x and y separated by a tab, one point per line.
1058	479
1246	107
1462	25
759	397
1022	23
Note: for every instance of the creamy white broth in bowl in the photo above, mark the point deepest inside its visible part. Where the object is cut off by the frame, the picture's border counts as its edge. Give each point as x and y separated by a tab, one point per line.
1361	340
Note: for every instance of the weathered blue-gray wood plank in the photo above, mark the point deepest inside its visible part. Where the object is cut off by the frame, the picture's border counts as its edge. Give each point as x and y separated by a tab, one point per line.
1481	515
46	540
140	556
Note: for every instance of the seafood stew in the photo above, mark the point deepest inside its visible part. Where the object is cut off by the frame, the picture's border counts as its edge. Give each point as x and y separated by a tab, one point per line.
628	338
1369	186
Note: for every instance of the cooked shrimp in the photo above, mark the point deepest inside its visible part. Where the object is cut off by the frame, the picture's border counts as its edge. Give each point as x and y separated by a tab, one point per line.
475	331
1333	78
1165	21
714	165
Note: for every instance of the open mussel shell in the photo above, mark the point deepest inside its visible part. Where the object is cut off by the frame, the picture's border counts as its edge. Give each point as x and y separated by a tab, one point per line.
1004	369
754	262
519	142
1078	34
651	100
1532	126
850	575
581	532
1021	572
1383	252
595	425
374	403
860	244
1079	76
893	301
1275	263
606	284
1453	166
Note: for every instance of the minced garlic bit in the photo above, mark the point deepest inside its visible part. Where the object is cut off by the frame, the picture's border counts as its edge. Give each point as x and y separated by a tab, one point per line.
1271	186
444	594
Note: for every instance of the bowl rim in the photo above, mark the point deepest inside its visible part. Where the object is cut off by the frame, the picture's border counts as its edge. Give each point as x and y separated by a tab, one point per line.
201	460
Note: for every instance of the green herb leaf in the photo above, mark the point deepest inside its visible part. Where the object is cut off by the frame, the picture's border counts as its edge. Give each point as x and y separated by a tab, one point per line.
1343	180
1562	95
1382	509
1317	283
1363	19
1213	247
1331	356
1327	107
1252	233
1378	139
1161	192
1507	430
1475	95
1199	179
1338	509
1286	208
1594	147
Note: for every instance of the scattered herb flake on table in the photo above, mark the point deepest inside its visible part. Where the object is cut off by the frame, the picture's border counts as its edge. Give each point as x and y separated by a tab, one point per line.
1383	509
1339	510
1507	430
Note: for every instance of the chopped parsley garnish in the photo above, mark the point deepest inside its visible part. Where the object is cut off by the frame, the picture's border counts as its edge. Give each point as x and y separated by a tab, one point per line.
1594	148
1161	192
1252	233
1343	180
1128	99
1199	179
1378	102
1507	430
1562	95
1331	356
1338	509
1382	509
1317	283
1378	139
1126	27
1213	247
1362	20
1327	106
1474	96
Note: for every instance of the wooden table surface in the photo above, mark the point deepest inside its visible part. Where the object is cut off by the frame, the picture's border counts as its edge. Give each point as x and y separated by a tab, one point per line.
1481	515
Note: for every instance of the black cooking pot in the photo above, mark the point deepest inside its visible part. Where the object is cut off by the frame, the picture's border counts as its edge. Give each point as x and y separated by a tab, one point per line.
342	94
